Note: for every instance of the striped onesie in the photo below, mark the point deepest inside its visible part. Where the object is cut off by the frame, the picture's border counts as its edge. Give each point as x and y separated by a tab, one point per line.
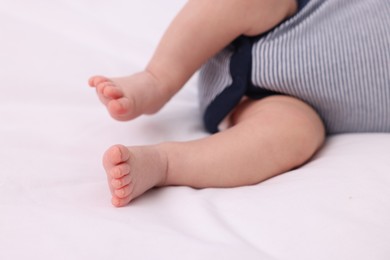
333	54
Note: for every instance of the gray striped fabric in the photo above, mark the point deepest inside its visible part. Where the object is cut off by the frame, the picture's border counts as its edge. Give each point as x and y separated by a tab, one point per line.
215	74
334	55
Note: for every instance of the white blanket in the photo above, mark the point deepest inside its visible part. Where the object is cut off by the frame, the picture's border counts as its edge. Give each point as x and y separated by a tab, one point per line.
54	200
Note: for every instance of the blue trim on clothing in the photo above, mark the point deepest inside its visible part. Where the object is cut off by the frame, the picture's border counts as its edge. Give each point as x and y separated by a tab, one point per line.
240	70
302	3
225	102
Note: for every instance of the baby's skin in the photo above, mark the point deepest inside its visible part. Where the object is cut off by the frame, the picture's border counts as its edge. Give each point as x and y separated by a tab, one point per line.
131	170
266	137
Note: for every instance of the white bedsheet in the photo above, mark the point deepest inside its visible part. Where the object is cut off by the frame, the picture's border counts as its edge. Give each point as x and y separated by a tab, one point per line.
54	203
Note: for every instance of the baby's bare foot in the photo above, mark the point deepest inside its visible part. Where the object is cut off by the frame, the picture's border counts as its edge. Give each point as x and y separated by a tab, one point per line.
131	171
129	97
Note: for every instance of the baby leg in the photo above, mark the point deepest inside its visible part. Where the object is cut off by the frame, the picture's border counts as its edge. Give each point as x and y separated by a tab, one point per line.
268	137
200	30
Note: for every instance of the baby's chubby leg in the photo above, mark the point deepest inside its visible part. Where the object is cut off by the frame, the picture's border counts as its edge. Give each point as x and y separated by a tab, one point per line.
199	31
268	137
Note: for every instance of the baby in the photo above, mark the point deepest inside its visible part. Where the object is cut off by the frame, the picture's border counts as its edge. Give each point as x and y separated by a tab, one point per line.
282	73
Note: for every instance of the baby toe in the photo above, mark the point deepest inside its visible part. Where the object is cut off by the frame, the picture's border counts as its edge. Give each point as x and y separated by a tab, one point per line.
120	183
120	202
115	155
124	191
121	173
110	91
95	80
121	109
101	87
118	106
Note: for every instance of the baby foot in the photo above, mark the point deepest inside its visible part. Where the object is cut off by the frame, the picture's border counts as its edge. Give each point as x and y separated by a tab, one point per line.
131	171
129	97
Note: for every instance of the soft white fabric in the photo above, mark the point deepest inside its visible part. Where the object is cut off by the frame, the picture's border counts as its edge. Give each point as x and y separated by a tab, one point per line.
54	203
